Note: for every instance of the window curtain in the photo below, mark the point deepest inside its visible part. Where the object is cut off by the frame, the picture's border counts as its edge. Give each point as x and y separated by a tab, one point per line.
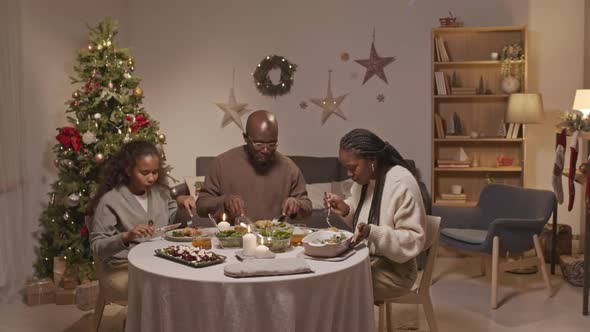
17	224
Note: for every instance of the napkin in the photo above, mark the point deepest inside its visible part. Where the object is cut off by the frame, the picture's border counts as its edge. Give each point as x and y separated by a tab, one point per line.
264	267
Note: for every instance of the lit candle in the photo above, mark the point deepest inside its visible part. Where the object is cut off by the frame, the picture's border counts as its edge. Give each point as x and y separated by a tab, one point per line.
223	225
249	243
262	250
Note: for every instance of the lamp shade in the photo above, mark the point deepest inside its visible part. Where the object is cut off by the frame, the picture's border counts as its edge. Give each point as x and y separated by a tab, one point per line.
582	101
524	108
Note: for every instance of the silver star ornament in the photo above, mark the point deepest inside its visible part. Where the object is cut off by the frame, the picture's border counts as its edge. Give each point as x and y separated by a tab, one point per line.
329	104
233	110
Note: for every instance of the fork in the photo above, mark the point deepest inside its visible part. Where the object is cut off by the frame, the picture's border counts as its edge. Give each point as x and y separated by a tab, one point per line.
279	219
328	216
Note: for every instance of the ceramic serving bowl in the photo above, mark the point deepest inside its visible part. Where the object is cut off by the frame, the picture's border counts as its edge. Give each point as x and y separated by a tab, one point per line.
313	246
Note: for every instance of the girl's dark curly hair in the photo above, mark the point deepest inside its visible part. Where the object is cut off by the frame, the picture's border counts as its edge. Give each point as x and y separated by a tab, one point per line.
114	172
367	145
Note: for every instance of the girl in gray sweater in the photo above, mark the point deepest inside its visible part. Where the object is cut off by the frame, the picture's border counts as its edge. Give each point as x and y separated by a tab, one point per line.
132	200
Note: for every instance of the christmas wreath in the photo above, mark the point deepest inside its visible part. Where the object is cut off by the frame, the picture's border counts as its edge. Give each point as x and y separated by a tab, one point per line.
263	82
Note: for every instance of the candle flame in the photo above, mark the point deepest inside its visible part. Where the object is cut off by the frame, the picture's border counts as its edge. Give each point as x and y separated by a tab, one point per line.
262	241
223	217
249	229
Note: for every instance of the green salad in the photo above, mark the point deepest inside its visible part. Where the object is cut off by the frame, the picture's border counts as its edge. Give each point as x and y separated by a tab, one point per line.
280	234
230	233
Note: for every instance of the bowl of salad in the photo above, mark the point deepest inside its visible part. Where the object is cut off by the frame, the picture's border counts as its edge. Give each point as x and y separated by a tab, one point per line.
231	238
277	240
327	243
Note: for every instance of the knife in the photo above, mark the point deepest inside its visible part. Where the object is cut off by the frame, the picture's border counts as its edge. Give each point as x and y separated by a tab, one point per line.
167	228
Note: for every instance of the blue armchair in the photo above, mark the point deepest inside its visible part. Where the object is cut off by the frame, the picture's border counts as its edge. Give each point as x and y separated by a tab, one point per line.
507	219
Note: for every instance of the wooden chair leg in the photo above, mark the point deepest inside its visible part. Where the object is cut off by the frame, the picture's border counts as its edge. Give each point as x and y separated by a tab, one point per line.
541	263
429	313
98	311
495	262
388	308
381	317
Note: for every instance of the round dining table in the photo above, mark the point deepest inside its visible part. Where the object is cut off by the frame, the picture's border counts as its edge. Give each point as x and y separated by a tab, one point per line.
167	296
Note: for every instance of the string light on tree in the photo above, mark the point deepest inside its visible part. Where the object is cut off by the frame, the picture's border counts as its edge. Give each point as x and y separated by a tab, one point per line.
96	117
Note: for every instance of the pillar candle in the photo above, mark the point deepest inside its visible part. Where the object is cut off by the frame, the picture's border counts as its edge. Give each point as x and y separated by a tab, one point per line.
249	244
261	251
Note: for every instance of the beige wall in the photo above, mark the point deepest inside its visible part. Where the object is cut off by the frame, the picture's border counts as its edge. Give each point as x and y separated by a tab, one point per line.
556	71
185	52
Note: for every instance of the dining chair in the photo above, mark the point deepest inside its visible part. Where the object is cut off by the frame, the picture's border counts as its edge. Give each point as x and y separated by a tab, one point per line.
104	296
421	293
507	220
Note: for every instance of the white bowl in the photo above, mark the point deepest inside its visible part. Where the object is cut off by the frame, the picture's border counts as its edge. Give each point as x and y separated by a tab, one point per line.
313	246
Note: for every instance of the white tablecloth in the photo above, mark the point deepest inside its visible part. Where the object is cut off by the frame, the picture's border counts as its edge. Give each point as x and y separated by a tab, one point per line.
168	296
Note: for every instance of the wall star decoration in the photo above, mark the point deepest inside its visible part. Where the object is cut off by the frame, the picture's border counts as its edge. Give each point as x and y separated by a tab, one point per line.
375	64
233	110
329	104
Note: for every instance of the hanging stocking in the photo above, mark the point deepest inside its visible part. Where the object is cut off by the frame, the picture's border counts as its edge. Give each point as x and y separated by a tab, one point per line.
572	172
558	166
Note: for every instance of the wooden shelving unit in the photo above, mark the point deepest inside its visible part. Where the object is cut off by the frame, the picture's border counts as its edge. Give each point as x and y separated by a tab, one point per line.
469	52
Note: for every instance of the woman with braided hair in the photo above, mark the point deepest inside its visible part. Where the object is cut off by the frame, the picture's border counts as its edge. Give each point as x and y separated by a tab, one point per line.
386	208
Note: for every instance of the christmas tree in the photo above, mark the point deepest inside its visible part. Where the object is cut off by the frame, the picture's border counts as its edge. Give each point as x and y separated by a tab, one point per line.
104	112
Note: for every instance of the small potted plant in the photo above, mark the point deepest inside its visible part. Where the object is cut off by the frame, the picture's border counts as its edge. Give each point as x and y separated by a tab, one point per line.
512	71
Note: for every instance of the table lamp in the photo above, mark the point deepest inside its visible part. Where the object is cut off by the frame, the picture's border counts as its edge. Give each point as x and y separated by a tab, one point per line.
582	101
526	108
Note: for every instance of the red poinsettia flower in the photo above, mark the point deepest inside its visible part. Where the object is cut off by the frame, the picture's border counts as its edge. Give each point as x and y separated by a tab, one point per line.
69	137
84	230
140	121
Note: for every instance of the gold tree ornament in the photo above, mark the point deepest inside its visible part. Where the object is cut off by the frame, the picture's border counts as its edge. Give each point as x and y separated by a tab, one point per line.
90	47
329	104
99	158
161	137
137	92
76	95
130	62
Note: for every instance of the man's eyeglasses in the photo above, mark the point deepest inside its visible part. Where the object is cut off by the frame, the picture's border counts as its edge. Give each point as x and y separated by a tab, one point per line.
260	145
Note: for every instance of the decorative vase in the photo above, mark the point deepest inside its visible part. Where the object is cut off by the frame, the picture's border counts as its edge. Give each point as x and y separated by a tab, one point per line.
510	84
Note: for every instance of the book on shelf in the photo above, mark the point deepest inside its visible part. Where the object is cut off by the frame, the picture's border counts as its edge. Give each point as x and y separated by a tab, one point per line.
437	48
463	91
510	130
442	53
454	166
516	130
448	85
459	136
450	201
441	85
439	126
449	163
454	197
